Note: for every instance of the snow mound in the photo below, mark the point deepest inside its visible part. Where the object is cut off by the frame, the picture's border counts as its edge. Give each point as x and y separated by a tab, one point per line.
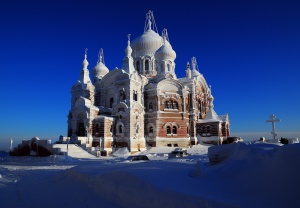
267	171
127	190
121	152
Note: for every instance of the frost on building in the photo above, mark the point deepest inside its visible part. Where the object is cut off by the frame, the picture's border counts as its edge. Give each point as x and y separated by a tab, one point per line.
144	103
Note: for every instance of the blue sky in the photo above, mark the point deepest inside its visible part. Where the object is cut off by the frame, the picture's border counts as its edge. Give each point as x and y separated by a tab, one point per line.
248	51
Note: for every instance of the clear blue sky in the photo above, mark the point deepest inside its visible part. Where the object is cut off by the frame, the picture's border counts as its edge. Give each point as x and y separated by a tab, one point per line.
248	51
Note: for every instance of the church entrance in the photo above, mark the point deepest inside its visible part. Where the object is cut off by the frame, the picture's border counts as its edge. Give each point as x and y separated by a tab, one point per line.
80	129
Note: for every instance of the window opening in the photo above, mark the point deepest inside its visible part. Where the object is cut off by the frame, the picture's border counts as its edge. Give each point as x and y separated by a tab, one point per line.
168	130
111	101
147	66
174	130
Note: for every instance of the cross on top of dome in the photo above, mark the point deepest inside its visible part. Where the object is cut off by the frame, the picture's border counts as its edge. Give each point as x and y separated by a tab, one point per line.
100	56
150	22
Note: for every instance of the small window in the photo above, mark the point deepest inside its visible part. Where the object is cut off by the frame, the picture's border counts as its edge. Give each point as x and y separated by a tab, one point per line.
120	129
175	105
134	95
166	104
170	104
151	130
168	130
147	66
111	101
175	145
169	145
174	130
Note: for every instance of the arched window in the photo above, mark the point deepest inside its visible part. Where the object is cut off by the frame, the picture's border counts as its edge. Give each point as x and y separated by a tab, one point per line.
175	105
135	95
147	66
168	67
137	130
150	106
170	104
151	130
111	101
174	130
166	104
138	66
168	130
120	129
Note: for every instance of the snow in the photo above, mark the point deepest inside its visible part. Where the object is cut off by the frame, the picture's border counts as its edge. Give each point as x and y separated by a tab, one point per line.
251	175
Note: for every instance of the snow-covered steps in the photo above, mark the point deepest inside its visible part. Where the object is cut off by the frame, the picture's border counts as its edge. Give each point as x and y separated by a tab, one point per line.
74	151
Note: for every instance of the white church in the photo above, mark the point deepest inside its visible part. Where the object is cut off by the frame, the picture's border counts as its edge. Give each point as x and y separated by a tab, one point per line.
144	104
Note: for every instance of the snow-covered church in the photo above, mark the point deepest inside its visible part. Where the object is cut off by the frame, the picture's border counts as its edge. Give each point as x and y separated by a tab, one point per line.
144	103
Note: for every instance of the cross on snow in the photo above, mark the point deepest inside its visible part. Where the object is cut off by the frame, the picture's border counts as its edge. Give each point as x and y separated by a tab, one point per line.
273	120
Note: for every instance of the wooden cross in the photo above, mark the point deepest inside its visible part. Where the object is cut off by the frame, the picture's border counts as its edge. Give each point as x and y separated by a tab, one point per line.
273	120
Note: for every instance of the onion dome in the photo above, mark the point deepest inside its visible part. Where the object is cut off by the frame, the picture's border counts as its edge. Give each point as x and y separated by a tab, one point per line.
100	69
165	51
150	41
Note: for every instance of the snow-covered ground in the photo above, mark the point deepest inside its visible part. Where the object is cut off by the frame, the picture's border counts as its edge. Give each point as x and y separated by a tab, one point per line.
253	175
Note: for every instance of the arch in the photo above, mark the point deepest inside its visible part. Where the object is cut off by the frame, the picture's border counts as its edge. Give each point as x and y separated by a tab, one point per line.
147	66
174	130
151	130
168	68
168	130
120	128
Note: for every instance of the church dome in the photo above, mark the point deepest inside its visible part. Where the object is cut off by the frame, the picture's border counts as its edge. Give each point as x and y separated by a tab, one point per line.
149	41
100	70
165	52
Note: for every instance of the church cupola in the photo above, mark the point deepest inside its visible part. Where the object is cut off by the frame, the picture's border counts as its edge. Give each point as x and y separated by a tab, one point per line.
195	71
165	56
83	87
128	60
85	74
100	70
